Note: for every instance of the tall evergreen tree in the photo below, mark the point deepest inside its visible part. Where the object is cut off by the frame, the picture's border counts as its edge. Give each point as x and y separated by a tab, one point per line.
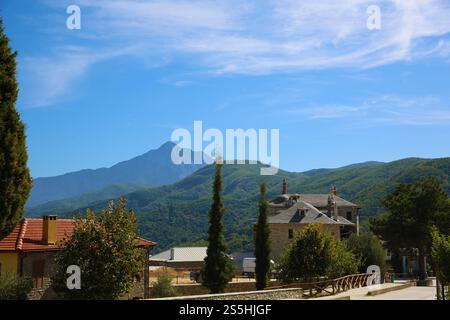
15	181
262	242
412	210
218	269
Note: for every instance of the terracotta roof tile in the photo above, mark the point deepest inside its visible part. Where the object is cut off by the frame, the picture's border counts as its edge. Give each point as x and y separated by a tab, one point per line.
145	243
28	235
9	243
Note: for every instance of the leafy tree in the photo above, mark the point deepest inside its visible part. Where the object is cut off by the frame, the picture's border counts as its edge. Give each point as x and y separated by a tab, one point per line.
314	253
440	254
369	249
218	268
307	256
413	209
13	287
262	243
163	287
105	249
15	180
343	261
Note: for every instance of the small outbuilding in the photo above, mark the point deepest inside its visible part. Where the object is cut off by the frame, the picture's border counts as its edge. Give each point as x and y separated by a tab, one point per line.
192	258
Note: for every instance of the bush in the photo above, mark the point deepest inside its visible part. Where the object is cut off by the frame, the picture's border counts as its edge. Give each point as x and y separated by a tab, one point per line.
344	262
369	249
104	246
315	253
163	287
13	287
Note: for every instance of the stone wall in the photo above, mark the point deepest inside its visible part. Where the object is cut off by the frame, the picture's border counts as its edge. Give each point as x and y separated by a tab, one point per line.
198	289
276	294
279	236
26	271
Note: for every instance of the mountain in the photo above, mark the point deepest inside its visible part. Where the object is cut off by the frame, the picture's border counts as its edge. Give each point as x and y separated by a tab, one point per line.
177	214
153	168
70	204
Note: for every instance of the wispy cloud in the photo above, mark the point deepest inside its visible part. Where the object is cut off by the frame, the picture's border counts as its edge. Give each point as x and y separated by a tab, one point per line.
252	37
388	109
52	77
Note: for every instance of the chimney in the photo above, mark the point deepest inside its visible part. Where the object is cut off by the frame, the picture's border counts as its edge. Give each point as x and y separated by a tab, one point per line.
284	186
49	229
335	210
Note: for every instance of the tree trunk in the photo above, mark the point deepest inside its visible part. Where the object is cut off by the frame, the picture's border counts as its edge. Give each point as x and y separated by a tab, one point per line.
422	265
438	288
443	292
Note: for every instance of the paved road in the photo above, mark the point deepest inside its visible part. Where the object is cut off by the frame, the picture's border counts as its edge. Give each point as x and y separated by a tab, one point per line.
411	293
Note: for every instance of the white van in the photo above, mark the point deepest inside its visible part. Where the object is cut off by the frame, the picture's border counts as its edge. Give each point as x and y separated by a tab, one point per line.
248	266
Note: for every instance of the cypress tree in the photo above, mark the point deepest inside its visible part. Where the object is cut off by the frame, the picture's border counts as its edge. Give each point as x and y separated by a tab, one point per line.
262	243
218	268
15	181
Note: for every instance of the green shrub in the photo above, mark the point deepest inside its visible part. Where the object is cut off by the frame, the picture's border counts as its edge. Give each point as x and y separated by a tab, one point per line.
13	287
315	253
163	287
369	249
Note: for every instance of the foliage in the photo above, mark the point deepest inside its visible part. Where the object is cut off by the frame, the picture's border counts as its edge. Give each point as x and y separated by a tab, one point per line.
15	180
343	261
314	253
413	209
370	249
13	287
262	242
175	214
440	254
163	287
218	268
105	249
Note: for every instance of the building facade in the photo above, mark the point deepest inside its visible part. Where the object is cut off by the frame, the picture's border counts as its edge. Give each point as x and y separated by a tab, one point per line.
29	252
186	258
290	213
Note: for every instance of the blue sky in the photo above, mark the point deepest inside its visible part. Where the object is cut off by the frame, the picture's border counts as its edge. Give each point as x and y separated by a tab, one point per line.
339	92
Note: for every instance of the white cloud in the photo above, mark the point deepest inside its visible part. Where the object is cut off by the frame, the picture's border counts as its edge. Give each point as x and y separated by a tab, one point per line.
388	109
51	78
252	37
276	35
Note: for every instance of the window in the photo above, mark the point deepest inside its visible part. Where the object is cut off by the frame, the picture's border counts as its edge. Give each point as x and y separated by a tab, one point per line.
37	274
349	216
290	234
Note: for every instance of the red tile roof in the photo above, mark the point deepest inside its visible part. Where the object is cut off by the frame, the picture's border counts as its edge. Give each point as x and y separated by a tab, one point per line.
27	236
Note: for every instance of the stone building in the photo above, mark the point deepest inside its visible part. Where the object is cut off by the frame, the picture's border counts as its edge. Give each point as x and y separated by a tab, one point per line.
29	251
289	213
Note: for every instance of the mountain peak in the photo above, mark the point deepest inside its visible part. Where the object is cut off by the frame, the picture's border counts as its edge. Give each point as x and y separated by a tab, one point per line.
154	168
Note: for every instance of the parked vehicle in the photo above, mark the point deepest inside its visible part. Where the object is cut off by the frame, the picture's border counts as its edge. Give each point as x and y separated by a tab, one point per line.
248	267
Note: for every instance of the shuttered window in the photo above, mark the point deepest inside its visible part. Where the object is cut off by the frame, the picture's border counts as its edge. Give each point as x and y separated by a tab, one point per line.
349	216
291	234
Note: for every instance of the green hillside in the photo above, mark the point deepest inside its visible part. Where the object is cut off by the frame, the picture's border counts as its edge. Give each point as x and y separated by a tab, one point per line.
154	167
177	214
71	204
